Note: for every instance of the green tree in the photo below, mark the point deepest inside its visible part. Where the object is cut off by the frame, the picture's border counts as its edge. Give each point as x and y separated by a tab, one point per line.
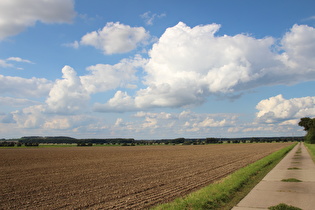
309	127
212	141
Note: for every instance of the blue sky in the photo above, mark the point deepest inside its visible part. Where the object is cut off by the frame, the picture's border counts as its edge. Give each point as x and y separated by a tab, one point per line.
156	69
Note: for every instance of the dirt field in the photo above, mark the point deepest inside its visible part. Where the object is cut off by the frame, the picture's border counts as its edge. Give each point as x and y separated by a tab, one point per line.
116	177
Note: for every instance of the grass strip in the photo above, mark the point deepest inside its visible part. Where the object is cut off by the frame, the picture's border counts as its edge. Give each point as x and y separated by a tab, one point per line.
283	206
311	150
226	193
294	168
291	180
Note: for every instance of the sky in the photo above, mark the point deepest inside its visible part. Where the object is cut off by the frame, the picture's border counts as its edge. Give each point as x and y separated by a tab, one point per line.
156	69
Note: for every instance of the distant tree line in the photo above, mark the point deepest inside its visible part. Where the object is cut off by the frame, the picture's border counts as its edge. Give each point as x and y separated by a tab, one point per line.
18	144
203	141
7	144
36	140
31	144
108	141
83	144
48	140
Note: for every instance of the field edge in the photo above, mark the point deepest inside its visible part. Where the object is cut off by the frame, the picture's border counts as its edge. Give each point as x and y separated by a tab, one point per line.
227	192
311	150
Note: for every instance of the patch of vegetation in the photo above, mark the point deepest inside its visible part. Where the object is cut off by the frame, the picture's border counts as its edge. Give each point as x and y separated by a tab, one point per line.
291	180
283	206
311	150
309	127
226	193
83	144
7	144
294	168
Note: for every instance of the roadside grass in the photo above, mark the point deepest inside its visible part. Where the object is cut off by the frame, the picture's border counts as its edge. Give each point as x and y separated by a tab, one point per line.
283	206
311	150
226	193
291	180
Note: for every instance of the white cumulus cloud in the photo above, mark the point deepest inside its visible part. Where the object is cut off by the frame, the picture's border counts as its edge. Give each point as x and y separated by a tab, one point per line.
105	77
121	102
57	123
30	117
68	95
22	87
164	124
115	38
299	51
187	65
278	108
16	15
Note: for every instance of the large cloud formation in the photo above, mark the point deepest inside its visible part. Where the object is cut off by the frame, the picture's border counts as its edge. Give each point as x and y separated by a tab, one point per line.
188	64
184	67
16	15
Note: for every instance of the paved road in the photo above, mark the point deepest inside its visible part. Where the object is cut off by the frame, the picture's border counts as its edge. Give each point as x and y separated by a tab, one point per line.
272	191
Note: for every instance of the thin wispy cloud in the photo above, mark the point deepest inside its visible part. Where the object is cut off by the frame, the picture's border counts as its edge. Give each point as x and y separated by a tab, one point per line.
150	17
18	59
309	18
11	62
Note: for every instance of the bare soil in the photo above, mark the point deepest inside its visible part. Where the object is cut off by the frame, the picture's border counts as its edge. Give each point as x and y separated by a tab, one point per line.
116	177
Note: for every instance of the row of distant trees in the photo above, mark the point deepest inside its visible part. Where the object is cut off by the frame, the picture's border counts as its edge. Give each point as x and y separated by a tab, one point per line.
70	140
36	140
18	144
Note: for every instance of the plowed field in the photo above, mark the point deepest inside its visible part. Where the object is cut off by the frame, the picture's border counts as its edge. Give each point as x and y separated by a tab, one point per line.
116	177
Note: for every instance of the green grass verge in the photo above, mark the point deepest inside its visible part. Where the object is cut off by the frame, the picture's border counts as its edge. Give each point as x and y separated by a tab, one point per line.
311	150
283	206
294	168
226	193
291	180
